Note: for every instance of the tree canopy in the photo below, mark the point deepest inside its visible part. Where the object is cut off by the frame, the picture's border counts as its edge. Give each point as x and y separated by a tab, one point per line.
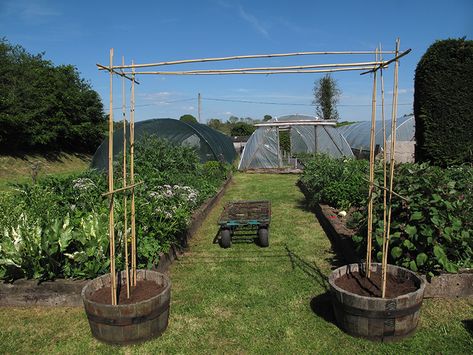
326	96
242	129
188	118
46	107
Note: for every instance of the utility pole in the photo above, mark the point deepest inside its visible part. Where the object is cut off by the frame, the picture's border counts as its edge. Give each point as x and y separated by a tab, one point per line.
199	107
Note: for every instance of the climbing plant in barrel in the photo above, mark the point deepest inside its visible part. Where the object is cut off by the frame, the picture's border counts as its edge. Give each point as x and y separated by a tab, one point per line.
135	300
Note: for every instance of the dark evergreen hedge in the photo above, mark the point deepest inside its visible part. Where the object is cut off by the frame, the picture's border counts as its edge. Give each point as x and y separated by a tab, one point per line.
443	103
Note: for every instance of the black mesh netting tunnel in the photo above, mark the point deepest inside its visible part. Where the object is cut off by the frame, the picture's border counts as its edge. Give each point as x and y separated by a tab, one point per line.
209	143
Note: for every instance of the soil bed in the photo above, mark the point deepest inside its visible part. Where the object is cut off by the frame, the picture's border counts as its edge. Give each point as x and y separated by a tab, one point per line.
144	290
359	284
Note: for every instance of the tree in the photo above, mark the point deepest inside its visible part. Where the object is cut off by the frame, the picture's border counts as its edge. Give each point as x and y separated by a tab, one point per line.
46	107
326	96
233	119
188	118
267	118
215	123
443	103
242	129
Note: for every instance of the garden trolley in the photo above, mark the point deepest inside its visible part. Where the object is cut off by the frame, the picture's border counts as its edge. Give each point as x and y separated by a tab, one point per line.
245	216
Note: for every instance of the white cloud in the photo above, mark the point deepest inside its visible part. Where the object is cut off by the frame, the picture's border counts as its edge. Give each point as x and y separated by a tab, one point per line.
252	20
158	98
153	96
35	12
402	91
260	26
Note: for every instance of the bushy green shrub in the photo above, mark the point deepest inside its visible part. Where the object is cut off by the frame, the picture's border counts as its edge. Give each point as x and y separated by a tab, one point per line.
46	107
432	228
432	223
340	183
59	226
443	103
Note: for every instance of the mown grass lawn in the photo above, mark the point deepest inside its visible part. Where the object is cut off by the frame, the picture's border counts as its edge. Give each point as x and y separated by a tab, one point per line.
247	299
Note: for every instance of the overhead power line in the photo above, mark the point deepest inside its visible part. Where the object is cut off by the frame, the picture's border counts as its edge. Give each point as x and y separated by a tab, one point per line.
156	103
283	103
251	102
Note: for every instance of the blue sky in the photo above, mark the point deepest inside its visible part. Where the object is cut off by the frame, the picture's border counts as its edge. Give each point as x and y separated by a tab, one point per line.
82	32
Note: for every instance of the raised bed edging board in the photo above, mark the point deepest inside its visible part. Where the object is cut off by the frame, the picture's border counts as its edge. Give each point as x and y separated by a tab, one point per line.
62	292
198	217
441	286
67	292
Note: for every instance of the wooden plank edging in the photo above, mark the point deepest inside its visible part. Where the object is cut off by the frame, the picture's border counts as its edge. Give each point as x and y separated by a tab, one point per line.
441	286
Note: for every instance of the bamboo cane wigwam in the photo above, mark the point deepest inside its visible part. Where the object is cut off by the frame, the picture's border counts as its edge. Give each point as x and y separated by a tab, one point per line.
369	67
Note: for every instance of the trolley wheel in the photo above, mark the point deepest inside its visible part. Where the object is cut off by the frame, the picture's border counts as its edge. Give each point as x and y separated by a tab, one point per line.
225	238
263	237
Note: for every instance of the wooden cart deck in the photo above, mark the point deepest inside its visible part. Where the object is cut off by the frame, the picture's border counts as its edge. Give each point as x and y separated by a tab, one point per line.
246	213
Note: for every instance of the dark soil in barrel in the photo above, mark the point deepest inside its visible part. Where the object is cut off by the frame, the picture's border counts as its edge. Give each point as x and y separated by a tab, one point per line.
359	284
142	291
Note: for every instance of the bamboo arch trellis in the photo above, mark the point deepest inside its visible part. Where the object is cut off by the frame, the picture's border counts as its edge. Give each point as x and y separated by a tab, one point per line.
366	67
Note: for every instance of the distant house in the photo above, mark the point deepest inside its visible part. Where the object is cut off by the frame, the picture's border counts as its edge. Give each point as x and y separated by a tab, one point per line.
239	143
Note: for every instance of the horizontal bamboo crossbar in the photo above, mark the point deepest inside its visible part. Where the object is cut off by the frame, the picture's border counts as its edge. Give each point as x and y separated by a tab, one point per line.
310	66
260	72
253	56
122	189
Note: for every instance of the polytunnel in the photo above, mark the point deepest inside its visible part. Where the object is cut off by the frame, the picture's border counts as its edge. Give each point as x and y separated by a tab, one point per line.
358	137
307	135
209	143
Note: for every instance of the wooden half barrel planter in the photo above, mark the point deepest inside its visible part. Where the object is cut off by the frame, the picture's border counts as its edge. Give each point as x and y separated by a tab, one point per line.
376	318
128	323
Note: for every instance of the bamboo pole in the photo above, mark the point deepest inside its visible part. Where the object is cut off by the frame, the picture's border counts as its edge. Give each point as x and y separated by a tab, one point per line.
132	179
385	188
391	169
371	176
111	225
125	198
238	71
252	56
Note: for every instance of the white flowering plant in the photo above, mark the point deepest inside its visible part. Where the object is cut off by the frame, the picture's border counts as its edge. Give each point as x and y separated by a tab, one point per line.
58	227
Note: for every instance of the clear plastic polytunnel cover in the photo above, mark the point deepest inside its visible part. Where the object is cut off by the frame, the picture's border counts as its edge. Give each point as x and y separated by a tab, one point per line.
262	150
358	134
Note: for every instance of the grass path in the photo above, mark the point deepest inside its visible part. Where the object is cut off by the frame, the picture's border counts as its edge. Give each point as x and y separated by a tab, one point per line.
246	299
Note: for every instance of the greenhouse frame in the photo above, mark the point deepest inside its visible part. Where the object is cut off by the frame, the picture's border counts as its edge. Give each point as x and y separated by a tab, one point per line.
307	135
209	143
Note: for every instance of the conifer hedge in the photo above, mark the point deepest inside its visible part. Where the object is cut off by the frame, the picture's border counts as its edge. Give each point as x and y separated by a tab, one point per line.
443	103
